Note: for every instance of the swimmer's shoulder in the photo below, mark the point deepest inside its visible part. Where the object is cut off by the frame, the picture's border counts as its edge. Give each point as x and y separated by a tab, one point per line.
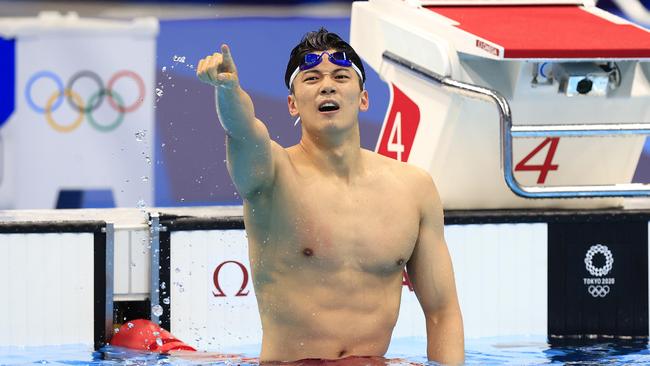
418	180
291	160
406	171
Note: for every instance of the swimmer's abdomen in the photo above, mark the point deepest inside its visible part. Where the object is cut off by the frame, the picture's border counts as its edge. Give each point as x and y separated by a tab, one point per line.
311	316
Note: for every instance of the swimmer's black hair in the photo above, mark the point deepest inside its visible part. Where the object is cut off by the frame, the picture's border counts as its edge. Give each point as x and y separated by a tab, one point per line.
320	40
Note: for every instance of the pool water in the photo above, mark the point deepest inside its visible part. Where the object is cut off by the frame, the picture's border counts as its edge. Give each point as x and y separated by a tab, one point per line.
486	351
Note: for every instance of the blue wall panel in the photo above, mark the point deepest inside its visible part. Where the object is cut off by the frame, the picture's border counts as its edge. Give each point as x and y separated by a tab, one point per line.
7	78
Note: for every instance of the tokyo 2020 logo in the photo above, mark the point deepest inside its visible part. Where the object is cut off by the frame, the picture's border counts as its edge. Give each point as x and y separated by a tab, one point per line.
81	107
609	260
599	286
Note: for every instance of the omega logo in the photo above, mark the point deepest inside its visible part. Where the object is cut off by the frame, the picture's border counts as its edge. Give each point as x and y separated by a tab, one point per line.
217	285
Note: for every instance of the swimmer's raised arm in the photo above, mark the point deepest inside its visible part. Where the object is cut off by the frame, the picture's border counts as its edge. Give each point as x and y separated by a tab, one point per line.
249	147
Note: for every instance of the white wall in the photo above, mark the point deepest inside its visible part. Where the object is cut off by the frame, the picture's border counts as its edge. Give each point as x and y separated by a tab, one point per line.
46	289
501	277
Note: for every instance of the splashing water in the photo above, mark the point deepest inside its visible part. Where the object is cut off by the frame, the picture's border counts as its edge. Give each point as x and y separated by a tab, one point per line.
157	310
140	135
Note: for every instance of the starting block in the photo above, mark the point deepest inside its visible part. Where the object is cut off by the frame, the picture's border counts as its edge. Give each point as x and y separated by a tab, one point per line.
569	83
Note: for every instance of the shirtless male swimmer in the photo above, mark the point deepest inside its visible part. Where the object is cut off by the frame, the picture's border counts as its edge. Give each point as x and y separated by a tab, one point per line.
331	225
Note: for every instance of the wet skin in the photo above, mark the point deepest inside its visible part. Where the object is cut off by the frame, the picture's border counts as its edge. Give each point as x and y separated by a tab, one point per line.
331	226
327	259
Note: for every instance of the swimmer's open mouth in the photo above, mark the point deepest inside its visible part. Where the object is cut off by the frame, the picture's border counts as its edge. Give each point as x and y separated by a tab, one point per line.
328	106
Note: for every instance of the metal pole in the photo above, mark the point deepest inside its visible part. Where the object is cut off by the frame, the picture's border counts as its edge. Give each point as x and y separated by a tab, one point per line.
154	280
110	258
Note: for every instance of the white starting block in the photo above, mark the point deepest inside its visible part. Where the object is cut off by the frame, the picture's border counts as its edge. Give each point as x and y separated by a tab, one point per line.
574	78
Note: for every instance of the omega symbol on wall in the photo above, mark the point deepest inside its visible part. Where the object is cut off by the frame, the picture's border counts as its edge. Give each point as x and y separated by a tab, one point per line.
215	279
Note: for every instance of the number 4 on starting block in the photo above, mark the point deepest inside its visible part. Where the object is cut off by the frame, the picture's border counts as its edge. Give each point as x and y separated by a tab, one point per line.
548	161
401	124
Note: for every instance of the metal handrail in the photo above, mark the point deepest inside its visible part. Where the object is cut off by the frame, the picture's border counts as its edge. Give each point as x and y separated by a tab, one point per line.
508	132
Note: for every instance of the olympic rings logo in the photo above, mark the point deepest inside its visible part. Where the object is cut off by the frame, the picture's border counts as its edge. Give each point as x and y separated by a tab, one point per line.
82	108
598	290
609	260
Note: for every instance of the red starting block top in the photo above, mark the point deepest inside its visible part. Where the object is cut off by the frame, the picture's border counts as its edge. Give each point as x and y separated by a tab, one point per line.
548	32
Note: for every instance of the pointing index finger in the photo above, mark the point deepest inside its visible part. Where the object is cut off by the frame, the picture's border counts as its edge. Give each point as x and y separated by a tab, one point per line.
227	56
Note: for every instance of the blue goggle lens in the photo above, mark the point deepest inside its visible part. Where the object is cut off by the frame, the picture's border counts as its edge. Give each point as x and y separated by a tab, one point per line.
337	58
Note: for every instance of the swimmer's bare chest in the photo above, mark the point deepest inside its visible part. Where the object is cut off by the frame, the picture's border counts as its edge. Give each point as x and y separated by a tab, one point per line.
327	262
327	225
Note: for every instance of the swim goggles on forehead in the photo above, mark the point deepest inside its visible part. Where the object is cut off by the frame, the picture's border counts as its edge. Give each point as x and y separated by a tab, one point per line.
311	60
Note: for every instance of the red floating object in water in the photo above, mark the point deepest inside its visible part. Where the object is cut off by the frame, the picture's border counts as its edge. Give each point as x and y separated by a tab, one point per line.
144	335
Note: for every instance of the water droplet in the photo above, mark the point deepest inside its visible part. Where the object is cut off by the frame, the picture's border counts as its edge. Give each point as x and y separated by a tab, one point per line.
140	135
166	301
182	199
141	204
162	145
129	324
116	330
159	341
159	92
147	159
145	178
157	310
164	68
178	270
163	285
